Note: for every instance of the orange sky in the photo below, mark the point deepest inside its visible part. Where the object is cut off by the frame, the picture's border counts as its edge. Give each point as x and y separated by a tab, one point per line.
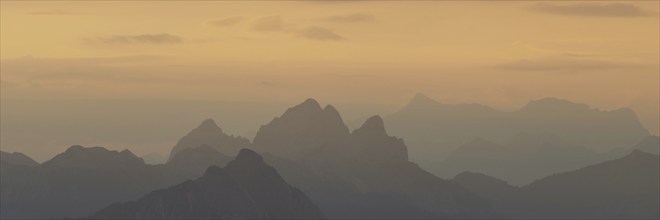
501	54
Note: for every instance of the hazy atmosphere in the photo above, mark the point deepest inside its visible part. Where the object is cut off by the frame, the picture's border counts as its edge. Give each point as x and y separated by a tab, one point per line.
364	57
464	86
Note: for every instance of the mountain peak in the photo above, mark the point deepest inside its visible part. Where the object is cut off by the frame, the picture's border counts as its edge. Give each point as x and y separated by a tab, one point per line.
310	103
636	153
209	133
74	148
249	155
373	126
421	99
208	124
246	160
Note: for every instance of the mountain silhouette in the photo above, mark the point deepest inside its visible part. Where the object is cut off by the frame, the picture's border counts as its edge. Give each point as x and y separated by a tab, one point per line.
208	133
370	160
16	158
191	163
247	188
523	159
650	144
301	130
624	188
433	130
75	183
154	158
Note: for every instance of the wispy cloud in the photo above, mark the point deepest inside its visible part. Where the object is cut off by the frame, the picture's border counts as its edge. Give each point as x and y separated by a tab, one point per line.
593	9
350	18
319	33
566	64
277	24
270	24
226	21
163	38
52	12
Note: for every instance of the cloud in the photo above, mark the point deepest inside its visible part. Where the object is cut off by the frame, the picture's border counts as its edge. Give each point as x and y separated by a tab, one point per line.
277	24
563	64
319	33
350	18
139	39
52	12
270	24
593	9
226	21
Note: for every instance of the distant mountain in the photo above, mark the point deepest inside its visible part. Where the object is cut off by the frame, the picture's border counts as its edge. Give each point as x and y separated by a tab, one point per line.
16	158
368	159
247	188
75	183
433	130
153	159
208	133
301	130
82	180
625	188
650	144
523	159
191	163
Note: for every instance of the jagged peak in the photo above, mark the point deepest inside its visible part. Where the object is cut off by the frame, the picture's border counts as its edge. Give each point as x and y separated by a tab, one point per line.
311	102
373	125
308	107
329	109
208	124
308	104
422	99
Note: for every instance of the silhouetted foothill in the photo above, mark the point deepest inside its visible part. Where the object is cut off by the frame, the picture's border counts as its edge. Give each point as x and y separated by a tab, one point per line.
246	189
16	158
650	144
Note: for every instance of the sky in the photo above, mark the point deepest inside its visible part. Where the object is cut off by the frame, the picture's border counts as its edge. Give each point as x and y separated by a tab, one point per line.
376	54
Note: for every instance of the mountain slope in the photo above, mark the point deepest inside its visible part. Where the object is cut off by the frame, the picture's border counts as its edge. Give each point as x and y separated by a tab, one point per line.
75	183
208	133
625	188
523	159
245	188
650	144
16	158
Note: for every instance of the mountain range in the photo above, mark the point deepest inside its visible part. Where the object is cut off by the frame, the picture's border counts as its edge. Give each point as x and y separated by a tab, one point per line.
306	163
433	130
345	170
623	188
